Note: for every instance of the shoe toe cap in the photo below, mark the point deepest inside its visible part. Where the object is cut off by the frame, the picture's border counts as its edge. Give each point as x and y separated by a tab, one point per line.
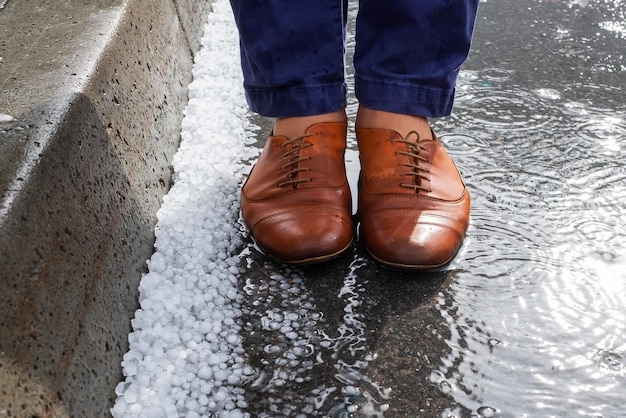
417	241
303	236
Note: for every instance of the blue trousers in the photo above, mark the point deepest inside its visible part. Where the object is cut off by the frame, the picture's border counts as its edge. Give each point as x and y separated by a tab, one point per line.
407	54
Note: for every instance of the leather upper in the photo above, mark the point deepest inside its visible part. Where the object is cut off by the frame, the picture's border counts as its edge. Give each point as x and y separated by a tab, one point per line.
296	201
413	204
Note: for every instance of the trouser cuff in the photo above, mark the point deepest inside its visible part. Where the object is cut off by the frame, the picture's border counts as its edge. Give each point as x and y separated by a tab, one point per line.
297	100
404	98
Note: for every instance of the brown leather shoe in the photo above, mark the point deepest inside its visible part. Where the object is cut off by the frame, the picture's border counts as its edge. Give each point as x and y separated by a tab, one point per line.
296	201
413	205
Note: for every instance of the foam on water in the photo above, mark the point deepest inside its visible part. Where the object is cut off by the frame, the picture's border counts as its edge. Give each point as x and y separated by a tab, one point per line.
186	357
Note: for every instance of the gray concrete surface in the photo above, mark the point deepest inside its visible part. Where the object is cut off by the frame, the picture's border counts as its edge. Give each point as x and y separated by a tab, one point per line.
94	93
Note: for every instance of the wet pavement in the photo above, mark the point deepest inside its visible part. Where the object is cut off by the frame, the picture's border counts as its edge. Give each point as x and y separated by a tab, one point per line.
529	319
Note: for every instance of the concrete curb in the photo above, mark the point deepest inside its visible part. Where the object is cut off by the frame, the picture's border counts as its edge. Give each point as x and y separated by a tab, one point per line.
96	94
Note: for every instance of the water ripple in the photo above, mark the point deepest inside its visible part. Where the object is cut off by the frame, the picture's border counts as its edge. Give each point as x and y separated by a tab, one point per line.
539	302
503	110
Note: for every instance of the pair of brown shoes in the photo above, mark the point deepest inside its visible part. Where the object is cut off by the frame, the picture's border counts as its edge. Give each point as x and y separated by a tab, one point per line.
413	205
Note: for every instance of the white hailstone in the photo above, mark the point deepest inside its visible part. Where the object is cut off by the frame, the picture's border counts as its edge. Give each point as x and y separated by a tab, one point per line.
157	264
130	367
233	379
214	359
203	400
234	414
143	378
155	411
292	316
205	373
119	408
207	388
120	388
220	395
191	404
135	408
299	351
221	375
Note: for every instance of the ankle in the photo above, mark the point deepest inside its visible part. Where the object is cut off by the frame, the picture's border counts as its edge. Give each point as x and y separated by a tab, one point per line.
293	127
403	124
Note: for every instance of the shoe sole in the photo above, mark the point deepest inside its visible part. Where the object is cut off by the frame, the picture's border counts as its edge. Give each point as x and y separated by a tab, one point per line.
405	267
304	261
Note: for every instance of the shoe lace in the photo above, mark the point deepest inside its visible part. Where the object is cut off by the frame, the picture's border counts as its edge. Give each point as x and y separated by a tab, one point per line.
417	172
293	157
